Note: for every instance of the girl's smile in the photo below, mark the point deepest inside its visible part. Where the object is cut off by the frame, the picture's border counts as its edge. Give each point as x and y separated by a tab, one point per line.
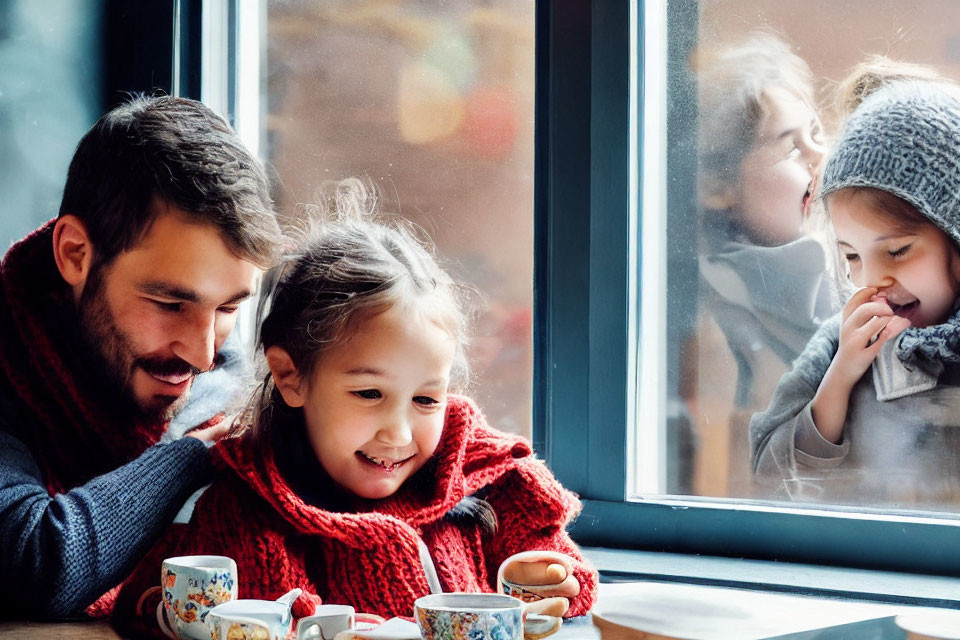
386	465
374	405
915	265
904	310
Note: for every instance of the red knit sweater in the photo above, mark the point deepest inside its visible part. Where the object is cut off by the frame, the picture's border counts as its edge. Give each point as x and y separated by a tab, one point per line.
72	433
370	560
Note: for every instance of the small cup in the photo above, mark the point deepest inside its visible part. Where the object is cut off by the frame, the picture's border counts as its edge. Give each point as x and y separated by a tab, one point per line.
191	586
469	616
529	592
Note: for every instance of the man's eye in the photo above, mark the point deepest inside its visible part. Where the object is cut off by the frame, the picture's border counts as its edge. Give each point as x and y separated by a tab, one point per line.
168	306
227	309
425	400
367	394
851	257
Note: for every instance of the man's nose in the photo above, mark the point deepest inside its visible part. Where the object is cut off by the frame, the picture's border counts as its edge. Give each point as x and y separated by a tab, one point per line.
197	343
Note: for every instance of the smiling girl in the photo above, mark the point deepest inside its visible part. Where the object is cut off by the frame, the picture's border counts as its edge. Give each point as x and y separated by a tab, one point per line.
364	480
892	191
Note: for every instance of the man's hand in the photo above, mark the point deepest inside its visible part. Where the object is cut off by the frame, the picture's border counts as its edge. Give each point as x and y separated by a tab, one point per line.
211	430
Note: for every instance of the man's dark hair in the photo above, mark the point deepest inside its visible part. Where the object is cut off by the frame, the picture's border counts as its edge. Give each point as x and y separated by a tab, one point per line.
156	150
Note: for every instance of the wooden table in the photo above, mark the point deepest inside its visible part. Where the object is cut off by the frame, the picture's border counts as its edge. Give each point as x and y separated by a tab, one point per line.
580	630
57	631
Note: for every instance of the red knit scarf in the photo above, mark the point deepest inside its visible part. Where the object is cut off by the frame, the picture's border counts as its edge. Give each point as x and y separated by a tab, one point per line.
69	431
469	456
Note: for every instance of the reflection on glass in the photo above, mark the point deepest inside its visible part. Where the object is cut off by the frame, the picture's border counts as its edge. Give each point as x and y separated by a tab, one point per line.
761	115
764	282
434	103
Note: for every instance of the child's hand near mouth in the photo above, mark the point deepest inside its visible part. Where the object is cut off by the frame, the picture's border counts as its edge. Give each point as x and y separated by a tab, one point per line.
868	322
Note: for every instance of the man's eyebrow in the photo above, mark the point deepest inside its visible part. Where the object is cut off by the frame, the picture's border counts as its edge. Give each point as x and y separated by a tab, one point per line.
165	290
240	297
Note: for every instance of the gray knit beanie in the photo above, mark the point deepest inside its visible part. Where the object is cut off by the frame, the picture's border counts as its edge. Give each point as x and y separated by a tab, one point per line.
904	139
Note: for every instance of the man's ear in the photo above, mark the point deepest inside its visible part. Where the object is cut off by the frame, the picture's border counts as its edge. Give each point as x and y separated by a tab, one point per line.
72	250
285	376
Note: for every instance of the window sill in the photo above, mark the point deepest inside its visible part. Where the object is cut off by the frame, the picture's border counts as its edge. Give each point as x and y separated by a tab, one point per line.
622	565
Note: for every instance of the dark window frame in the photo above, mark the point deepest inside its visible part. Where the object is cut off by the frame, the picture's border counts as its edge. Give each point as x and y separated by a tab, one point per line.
582	397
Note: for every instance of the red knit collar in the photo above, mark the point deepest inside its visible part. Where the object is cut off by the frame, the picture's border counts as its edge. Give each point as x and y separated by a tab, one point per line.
71	433
470	456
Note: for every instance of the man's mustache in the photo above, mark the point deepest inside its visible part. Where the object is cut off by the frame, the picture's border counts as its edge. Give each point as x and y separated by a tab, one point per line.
174	366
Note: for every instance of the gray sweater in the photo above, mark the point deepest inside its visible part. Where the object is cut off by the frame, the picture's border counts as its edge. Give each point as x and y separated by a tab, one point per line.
766	298
901	439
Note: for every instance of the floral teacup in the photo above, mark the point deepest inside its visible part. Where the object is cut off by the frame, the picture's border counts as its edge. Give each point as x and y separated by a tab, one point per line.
469	616
192	586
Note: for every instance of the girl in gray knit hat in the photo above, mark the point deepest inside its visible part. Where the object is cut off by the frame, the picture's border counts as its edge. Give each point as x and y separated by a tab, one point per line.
869	413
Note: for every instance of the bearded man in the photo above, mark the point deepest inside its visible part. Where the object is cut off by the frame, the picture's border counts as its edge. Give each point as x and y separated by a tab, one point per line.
113	319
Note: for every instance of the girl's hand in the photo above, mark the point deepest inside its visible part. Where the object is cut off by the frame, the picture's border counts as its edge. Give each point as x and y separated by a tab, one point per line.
868	322
538	568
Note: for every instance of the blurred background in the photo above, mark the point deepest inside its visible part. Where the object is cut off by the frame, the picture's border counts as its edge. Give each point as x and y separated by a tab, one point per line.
434	103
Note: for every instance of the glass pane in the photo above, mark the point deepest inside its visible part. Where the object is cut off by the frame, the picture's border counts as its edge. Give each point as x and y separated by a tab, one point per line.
49	96
752	267
434	103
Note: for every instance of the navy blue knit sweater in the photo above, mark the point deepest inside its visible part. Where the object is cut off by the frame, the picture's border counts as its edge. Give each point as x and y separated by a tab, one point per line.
64	543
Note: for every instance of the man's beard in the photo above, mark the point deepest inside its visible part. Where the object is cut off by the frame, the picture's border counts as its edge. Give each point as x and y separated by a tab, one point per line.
111	353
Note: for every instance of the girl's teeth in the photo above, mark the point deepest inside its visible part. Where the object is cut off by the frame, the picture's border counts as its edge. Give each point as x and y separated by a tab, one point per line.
380	462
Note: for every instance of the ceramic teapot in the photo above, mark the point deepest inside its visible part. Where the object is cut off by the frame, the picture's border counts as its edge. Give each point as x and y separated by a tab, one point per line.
273	620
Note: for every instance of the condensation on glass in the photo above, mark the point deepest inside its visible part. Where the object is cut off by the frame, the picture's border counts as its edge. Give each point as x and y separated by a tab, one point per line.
750	270
433	102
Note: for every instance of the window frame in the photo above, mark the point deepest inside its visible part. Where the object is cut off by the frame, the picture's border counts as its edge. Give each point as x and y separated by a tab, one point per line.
584	370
